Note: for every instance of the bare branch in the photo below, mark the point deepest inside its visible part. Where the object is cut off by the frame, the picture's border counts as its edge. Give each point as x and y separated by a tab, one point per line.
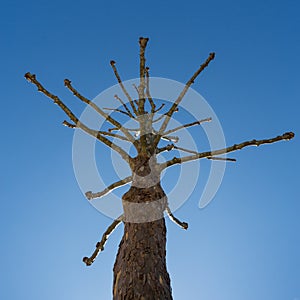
117	110
143	44
148	95
125	106
166	148
221	158
187	125
110	188
176	160
158	119
32	79
123	138
136	88
171	138
182	94
129	129
67	124
172	146
100	245
157	110
162	116
183	225
68	84
112	63
185	150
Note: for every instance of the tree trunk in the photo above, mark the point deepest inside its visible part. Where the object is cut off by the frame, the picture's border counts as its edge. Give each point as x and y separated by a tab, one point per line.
140	270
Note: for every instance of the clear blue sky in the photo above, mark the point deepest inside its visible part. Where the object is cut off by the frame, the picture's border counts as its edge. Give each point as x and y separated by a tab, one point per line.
246	243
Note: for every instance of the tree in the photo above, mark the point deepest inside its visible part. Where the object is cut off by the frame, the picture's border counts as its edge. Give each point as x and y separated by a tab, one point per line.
140	270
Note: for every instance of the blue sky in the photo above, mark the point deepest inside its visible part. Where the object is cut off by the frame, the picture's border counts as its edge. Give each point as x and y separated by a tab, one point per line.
246	243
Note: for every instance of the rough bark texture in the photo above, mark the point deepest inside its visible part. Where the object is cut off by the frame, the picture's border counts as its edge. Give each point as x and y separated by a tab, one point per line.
140	270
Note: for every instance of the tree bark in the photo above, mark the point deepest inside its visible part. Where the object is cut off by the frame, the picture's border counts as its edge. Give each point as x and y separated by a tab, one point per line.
140	271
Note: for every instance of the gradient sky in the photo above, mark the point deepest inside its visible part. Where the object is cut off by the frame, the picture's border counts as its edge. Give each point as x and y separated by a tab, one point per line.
246	243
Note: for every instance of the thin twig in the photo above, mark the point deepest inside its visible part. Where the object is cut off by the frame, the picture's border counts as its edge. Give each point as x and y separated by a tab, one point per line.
185	150
148	94
161	106
187	125
112	63
117	110
159	118
136	88
129	129
100	245
125	106
171	138
221	158
176	160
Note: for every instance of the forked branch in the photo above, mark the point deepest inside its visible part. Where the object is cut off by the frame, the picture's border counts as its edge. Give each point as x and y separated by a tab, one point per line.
125	106
68	84
100	245
32	79
210	154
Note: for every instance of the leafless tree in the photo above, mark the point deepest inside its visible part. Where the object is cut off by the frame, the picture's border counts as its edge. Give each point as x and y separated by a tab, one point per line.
140	270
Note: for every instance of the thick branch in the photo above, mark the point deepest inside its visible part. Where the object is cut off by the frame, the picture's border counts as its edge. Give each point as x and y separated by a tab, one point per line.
98	110
112	63
171	147
110	188
183	225
32	78
182	94
176	160
187	125
143	44
100	245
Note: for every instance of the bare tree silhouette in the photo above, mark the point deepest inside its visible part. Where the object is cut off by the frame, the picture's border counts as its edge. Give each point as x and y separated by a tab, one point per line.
140	270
